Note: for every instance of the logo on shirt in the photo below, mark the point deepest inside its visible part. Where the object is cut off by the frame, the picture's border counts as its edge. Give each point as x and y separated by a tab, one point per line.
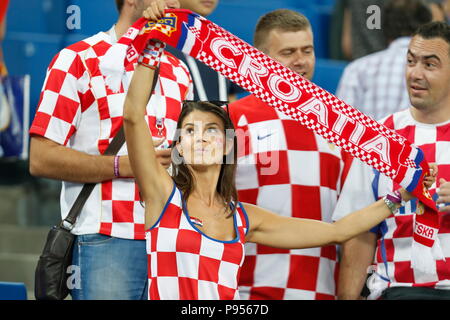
166	25
261	137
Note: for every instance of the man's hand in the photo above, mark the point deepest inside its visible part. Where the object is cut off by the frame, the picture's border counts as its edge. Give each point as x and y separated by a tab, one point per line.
162	155
428	181
443	192
156	10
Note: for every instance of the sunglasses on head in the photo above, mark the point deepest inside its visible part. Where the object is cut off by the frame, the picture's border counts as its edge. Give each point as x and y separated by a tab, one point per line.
217	103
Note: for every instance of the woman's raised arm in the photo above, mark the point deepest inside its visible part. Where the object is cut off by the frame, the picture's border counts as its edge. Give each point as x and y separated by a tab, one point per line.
153	180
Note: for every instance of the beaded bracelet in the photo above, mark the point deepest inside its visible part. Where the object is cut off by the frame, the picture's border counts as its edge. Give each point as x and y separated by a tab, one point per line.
394	196
392	199
116	166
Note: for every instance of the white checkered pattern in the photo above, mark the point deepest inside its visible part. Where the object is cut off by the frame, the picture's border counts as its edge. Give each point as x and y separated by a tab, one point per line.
375	84
77	110
358	192
185	264
286	168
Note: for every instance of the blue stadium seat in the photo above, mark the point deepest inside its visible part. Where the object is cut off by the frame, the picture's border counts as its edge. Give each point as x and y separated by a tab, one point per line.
308	4
43	16
239	18
31	53
73	38
319	17
13	291
98	15
282	3
246	14
328	74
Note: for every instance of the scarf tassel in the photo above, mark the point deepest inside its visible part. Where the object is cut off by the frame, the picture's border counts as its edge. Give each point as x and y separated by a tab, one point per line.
423	258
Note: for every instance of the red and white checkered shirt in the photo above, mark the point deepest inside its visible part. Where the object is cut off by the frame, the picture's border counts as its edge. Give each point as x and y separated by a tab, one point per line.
364	186
186	264
289	170
77	110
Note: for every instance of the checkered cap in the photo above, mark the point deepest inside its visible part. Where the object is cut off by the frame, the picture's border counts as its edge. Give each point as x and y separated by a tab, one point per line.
186	264
393	253
77	110
287	169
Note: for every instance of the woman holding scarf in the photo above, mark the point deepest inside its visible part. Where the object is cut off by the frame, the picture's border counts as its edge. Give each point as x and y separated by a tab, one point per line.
195	226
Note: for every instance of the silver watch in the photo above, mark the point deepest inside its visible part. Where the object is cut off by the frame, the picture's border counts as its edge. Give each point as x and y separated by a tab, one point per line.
391	205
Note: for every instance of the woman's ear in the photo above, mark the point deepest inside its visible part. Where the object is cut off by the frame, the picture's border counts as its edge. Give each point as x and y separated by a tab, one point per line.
179	148
228	147
177	156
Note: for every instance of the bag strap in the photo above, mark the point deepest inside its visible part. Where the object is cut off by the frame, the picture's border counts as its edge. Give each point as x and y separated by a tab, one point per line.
113	148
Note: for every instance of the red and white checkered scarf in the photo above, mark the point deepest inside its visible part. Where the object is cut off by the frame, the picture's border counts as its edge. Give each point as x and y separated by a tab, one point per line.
298	98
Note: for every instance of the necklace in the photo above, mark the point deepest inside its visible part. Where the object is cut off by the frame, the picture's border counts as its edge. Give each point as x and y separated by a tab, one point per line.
197	221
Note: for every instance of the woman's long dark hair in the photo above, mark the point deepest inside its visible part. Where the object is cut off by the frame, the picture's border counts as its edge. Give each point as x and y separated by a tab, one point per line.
181	174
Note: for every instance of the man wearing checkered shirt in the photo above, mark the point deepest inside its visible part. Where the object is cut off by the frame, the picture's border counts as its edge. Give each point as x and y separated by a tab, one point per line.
77	117
426	124
288	169
375	84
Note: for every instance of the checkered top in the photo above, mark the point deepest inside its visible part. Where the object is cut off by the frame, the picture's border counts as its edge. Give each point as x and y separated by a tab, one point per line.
286	168
364	186
77	110
186	264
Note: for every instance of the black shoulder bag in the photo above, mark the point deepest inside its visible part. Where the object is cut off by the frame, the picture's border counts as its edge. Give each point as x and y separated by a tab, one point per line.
50	281
51	271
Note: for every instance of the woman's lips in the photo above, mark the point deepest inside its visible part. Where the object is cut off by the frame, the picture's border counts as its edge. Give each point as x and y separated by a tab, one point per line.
207	3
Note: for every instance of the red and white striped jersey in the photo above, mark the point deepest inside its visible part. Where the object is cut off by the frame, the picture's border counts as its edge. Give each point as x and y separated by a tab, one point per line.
186	264
365	185
286	168
77	110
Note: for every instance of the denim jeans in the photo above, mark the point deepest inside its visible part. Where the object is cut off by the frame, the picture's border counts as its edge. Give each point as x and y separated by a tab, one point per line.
108	268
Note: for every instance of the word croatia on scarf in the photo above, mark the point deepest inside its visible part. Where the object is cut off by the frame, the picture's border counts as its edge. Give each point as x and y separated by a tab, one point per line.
296	97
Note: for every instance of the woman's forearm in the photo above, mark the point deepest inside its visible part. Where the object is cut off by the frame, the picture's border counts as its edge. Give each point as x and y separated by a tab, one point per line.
362	220
138	94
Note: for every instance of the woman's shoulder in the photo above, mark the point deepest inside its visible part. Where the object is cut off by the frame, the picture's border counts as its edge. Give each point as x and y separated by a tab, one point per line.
257	214
251	208
251	211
